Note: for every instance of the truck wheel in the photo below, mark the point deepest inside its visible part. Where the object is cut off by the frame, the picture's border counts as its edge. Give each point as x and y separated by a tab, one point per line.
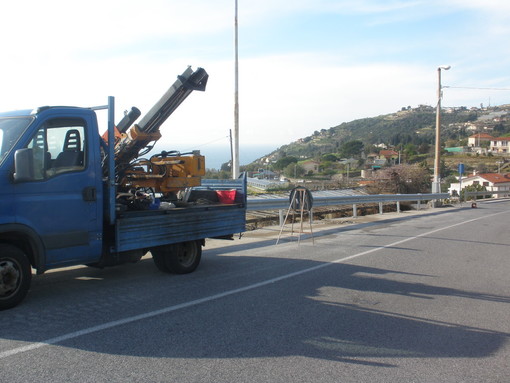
15	276
158	256
178	258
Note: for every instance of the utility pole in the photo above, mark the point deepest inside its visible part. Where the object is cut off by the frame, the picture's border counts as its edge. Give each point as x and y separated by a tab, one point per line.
436	184
235	151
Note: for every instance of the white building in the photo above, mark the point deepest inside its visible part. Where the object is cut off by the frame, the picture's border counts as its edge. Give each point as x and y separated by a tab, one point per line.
491	182
475	141
500	145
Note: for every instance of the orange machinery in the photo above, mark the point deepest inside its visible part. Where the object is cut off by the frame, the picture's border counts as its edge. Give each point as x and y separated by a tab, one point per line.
167	172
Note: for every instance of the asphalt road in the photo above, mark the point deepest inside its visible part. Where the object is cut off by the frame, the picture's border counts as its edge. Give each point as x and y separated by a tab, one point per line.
410	297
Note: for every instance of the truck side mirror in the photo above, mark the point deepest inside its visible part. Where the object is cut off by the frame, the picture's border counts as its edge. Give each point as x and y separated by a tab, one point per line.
24	165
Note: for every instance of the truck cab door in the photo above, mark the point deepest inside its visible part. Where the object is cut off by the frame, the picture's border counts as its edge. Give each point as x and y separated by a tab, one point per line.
62	198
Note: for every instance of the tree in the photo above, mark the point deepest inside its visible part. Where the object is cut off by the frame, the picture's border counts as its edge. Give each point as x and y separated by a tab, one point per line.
444	170
294	170
409	151
424	148
351	148
401	179
329	157
328	172
215	174
370	149
471	188
282	163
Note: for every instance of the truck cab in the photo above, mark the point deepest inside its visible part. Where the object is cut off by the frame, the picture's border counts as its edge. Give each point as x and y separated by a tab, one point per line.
51	181
50	188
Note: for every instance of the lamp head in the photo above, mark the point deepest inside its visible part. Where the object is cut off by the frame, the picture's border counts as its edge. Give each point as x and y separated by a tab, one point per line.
445	67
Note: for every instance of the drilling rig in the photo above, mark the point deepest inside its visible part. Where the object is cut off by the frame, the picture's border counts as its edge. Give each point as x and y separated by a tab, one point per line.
165	173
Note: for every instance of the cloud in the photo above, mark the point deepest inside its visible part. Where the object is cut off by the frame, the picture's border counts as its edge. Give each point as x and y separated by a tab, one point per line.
500	7
95	24
291	82
284	98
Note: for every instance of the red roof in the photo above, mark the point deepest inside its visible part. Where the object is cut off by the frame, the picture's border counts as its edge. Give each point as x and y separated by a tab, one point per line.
388	153
496	178
482	135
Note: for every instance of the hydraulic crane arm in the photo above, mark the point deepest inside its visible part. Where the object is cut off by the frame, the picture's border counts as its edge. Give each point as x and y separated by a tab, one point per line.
168	172
182	87
135	138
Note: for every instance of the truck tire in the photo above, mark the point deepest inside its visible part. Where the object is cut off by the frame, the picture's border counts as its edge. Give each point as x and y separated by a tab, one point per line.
178	258
158	256
15	276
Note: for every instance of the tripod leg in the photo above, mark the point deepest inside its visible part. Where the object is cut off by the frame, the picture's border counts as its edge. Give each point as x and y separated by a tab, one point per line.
310	222
285	220
302	194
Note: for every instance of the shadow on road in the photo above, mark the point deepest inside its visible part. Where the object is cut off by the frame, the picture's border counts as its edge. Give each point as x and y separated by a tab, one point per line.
286	237
338	312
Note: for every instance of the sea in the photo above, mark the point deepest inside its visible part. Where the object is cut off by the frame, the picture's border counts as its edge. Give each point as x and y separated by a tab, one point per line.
216	155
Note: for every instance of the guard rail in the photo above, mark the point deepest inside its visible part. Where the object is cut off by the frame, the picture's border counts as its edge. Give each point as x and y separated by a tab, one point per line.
283	203
484	193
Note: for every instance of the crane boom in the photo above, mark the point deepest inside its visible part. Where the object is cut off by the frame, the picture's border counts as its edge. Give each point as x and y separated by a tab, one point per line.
138	136
182	87
167	172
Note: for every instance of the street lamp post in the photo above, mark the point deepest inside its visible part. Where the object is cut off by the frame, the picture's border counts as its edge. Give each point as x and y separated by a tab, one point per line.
436	184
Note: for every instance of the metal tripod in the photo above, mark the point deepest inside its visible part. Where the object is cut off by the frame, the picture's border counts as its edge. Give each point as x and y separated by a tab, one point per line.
298	203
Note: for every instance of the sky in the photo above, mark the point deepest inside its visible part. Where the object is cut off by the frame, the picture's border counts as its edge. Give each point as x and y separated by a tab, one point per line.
304	65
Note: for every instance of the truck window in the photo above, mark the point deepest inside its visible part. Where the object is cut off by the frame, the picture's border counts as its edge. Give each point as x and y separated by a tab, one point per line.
59	147
11	130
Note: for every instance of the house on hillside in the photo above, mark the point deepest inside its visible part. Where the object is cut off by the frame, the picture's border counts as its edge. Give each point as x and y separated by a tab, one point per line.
310	166
491	182
500	145
391	156
373	161
475	140
385	157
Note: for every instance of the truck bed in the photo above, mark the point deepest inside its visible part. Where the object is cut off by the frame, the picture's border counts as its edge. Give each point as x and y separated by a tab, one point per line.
145	229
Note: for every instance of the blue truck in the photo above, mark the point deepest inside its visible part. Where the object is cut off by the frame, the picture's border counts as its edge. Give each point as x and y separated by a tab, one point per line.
70	195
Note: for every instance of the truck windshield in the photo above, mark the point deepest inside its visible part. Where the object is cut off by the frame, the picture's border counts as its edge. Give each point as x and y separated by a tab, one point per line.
11	129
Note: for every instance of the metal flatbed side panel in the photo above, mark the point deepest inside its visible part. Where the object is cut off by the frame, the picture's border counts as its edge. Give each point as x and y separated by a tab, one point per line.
179	225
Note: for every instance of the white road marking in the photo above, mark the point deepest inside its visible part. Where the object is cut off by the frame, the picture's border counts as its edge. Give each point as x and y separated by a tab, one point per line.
166	310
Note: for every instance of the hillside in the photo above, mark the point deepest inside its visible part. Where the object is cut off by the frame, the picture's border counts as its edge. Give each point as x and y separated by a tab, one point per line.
407	126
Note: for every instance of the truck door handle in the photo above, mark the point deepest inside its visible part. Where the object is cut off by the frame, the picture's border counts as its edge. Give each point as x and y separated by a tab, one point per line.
90	194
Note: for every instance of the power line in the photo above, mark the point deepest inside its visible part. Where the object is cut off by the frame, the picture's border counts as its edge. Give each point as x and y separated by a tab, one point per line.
209	142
